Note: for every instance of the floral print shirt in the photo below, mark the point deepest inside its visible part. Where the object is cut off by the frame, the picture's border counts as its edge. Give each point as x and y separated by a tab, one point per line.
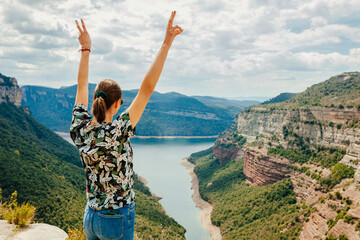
107	157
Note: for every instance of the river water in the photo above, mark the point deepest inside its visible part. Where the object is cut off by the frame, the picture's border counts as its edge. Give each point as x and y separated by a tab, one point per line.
157	160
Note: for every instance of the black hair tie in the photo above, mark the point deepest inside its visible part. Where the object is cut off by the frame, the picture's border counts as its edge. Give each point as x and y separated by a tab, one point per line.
100	94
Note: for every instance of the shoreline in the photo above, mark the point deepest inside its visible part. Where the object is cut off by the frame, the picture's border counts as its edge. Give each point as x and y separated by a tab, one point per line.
206	208
215	136
153	195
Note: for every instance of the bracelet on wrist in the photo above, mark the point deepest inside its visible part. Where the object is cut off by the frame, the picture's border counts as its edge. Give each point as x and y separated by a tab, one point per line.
84	49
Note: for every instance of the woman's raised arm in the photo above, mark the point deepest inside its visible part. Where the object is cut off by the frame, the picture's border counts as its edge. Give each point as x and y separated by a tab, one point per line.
152	76
83	83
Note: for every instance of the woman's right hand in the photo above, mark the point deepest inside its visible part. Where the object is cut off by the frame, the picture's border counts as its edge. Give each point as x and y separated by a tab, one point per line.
84	37
172	31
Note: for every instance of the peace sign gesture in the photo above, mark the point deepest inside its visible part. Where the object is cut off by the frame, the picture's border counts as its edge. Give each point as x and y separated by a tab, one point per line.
84	37
172	31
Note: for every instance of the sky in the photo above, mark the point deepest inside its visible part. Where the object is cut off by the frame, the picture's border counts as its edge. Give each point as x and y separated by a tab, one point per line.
229	48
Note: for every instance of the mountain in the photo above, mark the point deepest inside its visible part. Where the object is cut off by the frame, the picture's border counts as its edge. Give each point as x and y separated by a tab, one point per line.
46	171
171	114
279	98
251	98
289	170
234	106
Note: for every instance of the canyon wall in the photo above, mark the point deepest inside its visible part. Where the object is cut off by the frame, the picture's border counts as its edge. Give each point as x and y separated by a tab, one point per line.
265	125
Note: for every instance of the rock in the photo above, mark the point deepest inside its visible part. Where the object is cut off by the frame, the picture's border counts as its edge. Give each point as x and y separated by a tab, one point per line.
9	90
355	213
225	150
263	169
347	229
35	231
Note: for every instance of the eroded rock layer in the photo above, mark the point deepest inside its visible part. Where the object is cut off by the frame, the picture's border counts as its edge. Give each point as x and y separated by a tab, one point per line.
262	169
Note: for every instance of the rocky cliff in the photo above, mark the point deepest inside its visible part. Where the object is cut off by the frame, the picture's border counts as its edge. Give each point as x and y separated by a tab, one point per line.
9	90
322	120
262	169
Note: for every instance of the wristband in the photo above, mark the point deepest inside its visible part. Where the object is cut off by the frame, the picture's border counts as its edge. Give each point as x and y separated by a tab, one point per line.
84	49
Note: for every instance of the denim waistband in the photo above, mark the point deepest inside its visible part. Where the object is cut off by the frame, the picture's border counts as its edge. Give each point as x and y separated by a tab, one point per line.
113	211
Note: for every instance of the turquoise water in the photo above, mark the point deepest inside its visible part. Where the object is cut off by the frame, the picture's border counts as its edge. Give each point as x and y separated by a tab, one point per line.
157	160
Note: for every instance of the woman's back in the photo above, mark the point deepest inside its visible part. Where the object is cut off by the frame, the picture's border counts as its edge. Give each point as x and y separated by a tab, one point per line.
104	147
107	156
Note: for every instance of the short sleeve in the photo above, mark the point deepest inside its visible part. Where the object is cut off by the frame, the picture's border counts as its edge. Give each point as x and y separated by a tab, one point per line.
123	124
80	116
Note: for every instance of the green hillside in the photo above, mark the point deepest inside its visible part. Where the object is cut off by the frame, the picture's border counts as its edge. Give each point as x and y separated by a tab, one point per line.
46	171
340	91
243	211
282	97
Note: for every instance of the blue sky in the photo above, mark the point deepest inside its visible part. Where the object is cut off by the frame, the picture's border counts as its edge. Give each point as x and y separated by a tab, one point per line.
227	49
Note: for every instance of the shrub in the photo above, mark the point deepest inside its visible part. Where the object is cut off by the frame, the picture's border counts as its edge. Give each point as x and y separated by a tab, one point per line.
348	201
357	226
75	234
343	237
338	195
348	218
339	172
19	215
331	238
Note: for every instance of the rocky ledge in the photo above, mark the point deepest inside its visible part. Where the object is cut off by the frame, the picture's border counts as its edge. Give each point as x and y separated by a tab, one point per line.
38	231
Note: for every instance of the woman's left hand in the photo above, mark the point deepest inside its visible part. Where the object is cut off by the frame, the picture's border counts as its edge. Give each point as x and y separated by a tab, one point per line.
84	37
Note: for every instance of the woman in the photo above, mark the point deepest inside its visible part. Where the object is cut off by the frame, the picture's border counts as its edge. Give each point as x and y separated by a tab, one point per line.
104	145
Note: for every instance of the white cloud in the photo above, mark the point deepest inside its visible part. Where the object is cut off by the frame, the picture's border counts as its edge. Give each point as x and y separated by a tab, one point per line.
228	48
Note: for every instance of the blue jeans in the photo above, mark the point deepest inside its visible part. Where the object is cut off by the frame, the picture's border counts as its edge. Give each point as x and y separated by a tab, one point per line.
110	224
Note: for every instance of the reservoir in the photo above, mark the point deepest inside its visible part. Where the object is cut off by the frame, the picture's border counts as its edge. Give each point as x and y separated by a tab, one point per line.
157	160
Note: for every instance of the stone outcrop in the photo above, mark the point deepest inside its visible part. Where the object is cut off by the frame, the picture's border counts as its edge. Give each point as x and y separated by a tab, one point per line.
38	231
262	169
225	150
9	90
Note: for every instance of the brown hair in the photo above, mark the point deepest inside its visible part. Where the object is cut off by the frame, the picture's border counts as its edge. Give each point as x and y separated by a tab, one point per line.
102	103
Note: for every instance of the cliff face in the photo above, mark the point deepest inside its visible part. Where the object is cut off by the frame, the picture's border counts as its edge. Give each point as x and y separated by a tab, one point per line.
318	125
312	124
261	169
9	90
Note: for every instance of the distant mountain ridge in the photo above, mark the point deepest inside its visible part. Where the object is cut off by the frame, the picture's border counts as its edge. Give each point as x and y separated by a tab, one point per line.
167	114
